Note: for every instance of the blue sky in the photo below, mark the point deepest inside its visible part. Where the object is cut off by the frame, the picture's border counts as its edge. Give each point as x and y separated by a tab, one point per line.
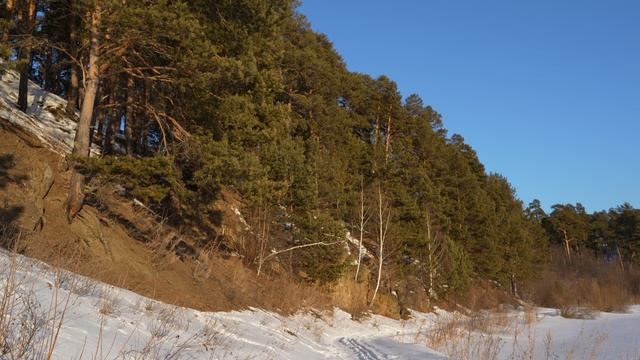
546	91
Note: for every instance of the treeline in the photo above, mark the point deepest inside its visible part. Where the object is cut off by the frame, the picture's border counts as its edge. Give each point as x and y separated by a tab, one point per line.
612	235
186	98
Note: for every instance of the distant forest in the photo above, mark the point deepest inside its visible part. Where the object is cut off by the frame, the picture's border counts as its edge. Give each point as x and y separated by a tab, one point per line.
190	98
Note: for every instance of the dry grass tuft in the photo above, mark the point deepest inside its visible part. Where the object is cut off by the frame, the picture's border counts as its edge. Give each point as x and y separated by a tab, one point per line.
351	296
464	338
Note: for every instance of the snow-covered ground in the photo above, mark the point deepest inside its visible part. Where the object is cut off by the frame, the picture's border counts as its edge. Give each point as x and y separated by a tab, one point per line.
608	336
78	318
96	320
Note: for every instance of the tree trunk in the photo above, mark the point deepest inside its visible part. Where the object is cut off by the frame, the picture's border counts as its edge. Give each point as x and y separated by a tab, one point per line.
10	6
620	259
362	223
74	82
48	76
567	248
81	144
25	55
141	123
430	258
96	134
387	145
383	227
129	117
25	71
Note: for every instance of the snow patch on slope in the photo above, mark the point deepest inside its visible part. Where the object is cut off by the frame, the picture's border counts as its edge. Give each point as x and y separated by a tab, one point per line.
45	117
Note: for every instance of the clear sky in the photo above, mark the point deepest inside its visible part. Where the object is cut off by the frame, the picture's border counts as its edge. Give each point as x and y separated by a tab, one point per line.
546	91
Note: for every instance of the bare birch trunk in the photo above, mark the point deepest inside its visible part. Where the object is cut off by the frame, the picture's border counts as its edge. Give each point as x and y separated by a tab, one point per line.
362	223
430	258
383	227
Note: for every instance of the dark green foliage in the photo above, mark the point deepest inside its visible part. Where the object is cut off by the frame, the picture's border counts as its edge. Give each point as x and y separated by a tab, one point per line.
245	95
150	180
324	262
613	235
458	269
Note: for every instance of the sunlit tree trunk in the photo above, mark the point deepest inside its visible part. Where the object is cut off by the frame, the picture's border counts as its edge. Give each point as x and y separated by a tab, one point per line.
363	217
10	7
387	144
81	144
384	218
567	247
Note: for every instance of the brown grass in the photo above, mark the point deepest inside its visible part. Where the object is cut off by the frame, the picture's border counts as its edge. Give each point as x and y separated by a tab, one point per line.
483	295
351	296
585	285
466	338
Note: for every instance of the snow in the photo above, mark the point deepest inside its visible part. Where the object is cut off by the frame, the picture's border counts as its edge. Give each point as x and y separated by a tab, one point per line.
45	118
101	321
111	323
608	336
364	253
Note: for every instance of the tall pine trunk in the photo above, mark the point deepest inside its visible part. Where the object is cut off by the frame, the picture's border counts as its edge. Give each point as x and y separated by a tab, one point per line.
129	117
10	7
81	144
25	58
25	71
74	82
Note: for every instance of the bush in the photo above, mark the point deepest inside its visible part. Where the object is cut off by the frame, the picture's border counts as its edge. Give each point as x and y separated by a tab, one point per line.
149	179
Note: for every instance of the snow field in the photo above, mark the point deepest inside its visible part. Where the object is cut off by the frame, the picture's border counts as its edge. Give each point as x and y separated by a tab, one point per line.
47	310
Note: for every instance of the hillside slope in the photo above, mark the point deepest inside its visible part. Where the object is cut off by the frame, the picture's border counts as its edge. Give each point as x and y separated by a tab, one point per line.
110	240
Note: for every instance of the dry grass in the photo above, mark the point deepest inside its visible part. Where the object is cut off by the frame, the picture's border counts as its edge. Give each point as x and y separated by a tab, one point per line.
464	338
30	330
27	330
351	296
508	335
109	301
585	285
483	295
281	293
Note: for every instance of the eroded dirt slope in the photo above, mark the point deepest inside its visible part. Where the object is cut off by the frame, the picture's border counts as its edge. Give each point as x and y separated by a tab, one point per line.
33	187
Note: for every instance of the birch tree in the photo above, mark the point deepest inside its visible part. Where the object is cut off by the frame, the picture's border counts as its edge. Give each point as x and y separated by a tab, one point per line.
433	261
384	221
363	218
